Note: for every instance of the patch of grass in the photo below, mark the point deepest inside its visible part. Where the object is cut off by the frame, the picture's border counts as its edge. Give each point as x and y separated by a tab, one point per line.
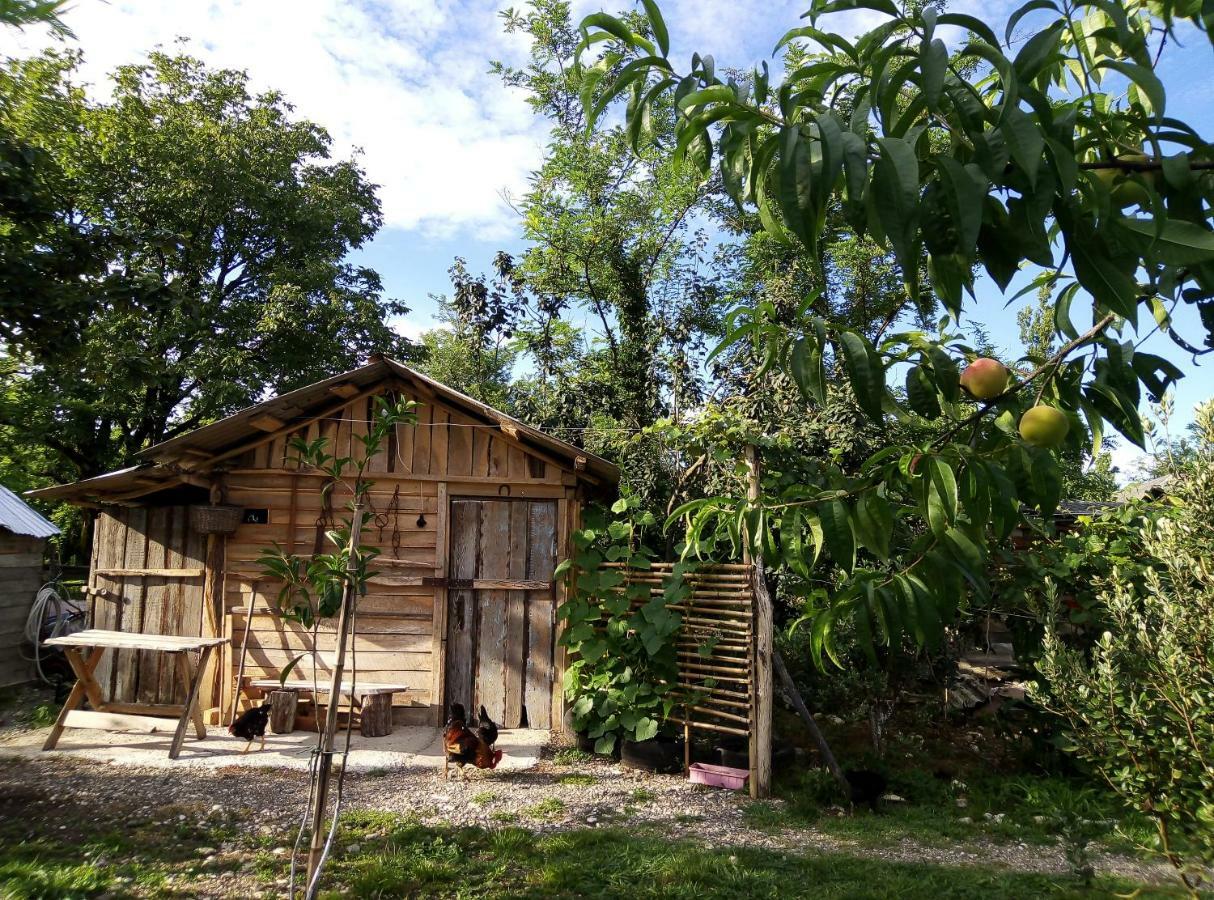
43	715
548	808
643	795
604	863
577	780
571	756
483	798
504	816
939	812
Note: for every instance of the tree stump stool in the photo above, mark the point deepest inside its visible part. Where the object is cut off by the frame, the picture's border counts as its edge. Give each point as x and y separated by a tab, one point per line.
375	718
282	711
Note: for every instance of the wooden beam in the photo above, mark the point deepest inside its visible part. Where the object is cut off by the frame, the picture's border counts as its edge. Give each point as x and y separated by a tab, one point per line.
267	422
155	573
345	389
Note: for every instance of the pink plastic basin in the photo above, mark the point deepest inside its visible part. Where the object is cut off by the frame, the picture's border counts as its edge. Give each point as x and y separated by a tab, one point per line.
719	776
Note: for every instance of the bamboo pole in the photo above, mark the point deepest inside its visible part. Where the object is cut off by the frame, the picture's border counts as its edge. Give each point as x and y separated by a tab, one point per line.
339	665
807	717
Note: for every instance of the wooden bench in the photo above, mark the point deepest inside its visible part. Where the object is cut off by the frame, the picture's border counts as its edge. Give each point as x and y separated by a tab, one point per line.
372	699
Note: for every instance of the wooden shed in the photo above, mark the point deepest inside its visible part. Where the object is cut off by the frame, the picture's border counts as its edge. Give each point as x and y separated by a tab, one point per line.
23	534
472	511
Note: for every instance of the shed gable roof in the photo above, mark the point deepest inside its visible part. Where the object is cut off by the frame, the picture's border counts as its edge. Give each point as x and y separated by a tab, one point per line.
227	435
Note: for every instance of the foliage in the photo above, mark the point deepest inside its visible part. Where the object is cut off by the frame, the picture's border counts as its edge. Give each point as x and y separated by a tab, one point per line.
313	588
622	679
1078	562
611	233
990	158
20	13
168	255
1140	703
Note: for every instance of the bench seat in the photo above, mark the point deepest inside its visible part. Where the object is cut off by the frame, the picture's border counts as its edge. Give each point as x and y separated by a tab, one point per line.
359	689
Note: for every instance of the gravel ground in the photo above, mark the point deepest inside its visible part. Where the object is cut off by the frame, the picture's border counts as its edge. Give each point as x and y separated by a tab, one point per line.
55	793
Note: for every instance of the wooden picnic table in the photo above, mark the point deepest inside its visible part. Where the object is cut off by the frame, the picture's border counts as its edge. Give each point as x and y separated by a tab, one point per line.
131	716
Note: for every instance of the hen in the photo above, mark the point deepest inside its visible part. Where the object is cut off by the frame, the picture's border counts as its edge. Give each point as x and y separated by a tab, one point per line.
464	743
251	724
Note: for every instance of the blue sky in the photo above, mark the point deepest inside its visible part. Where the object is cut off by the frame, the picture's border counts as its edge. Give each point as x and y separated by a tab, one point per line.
406	84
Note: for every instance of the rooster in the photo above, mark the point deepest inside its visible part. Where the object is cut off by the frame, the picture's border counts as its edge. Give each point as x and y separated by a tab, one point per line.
251	724
465	744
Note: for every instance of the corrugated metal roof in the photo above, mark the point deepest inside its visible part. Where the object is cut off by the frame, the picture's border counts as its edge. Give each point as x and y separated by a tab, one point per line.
19	518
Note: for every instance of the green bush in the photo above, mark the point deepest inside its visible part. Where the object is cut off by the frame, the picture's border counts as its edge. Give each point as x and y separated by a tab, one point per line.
622	680
1140	702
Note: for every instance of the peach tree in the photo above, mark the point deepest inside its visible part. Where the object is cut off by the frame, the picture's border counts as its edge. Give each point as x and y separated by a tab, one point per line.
1044	149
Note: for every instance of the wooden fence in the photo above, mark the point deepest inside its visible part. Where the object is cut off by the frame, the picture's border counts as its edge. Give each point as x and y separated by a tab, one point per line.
724	652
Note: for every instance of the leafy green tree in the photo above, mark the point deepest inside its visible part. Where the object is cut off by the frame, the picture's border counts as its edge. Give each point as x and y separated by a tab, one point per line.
1140	703
179	253
612	232
989	158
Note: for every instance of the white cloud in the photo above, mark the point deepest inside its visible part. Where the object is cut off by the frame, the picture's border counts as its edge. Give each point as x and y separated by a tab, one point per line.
405	81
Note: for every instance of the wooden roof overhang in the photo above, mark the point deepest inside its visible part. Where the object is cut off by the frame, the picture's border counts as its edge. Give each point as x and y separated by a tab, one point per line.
191	458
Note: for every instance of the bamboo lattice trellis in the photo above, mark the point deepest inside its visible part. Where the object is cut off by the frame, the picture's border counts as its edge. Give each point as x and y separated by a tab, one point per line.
716	648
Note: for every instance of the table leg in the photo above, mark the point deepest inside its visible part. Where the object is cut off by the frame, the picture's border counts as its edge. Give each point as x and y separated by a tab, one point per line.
192	677
183	672
85	685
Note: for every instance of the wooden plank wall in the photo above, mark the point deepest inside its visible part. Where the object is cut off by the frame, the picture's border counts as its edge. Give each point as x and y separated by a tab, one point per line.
401	622
20	578
132	538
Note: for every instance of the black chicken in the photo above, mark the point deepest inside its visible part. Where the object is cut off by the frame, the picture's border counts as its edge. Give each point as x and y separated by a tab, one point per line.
251	724
866	786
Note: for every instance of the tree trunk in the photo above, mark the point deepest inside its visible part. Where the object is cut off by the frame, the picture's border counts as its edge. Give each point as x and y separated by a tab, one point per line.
375	720
282	711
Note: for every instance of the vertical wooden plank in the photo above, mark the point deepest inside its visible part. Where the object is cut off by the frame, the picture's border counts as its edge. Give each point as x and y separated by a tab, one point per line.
761	661
192	599
491	637
461	604
439	436
459	446
499	453
536	468
480	451
438	646
405	434
358	414
518	464
154	606
516	616
174	614
111	548
567	519
379	459
421	439
131	614
541	561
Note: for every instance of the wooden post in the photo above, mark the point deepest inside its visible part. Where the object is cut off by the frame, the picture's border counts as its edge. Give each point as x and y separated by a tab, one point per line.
325	768
375	717
760	685
282	711
807	717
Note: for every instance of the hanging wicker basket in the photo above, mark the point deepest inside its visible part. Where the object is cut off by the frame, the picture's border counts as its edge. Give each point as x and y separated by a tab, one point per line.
215	519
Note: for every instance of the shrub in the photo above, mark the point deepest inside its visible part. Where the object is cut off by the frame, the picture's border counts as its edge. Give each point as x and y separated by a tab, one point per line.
623	675
1140	702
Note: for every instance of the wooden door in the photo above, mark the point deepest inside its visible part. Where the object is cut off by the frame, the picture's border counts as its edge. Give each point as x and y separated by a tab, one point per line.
500	612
